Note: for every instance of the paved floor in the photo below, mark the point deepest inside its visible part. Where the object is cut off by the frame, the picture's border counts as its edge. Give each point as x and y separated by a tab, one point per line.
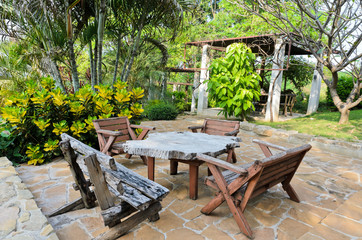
329	186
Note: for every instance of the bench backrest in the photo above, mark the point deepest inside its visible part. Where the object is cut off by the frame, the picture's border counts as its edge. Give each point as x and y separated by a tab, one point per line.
288	99
219	127
280	167
120	124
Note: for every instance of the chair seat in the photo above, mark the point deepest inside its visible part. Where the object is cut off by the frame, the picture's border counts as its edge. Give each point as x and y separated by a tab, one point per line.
229	177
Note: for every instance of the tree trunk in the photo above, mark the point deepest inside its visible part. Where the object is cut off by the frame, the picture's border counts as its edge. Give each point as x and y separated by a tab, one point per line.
73	65
100	33
344	116
117	60
95	62
54	71
135	46
92	66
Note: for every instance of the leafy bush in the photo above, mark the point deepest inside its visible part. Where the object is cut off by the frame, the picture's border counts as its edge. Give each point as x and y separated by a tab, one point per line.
35	118
233	82
180	101
161	111
344	88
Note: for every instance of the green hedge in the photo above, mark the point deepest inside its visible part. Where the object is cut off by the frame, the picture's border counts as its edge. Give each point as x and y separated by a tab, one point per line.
161	111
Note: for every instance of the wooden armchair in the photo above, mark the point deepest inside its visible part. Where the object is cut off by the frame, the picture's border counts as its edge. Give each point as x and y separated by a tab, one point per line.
220	127
237	185
113	132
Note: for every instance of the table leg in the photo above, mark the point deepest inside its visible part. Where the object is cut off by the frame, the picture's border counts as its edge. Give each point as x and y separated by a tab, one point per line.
194	176
151	168
173	167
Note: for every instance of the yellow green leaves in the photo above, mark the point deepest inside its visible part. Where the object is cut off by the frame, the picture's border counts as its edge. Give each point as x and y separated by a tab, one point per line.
35	154
122	96
137	93
76	107
77	128
42	124
89	122
137	109
14	115
51	145
60	127
47	83
40	97
120	85
84	94
104	106
59	98
104	91
125	113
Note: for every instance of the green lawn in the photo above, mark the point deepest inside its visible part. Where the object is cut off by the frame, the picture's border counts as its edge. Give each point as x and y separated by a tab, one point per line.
324	124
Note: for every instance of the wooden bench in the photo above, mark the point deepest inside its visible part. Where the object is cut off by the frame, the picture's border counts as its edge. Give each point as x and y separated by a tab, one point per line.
113	132
119	191
238	184
222	128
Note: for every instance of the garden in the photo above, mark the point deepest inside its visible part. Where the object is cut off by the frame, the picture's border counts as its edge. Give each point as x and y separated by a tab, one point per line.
66	65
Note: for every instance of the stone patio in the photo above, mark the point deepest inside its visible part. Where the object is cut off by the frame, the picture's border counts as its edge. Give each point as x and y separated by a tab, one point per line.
328	184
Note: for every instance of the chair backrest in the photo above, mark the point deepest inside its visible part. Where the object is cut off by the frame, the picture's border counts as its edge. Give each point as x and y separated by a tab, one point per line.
120	124
279	168
219	127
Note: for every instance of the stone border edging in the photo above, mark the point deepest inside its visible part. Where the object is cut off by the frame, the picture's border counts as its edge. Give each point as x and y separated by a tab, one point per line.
351	149
20	216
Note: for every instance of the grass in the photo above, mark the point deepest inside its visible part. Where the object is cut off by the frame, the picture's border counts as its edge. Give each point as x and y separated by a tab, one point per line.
324	124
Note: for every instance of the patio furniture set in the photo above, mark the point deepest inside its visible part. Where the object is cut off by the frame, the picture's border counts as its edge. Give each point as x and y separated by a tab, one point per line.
127	198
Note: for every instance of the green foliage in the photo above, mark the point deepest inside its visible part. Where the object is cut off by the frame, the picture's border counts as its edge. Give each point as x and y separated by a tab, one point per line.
300	72
158	110
344	88
233	82
180	101
35	118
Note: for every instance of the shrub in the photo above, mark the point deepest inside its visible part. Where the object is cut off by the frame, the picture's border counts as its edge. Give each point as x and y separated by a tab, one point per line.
180	101
344	88
162	111
37	117
233	83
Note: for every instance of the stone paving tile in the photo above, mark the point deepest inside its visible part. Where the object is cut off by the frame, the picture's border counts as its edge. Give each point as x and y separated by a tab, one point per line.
329	186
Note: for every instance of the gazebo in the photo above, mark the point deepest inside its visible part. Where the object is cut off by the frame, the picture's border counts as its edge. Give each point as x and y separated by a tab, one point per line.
276	45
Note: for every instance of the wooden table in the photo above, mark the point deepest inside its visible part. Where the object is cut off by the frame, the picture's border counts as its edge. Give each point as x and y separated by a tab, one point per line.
181	147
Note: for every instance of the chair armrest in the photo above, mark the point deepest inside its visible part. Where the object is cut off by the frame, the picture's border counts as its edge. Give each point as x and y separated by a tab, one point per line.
232	133
143	127
221	163
195	127
109	132
267	144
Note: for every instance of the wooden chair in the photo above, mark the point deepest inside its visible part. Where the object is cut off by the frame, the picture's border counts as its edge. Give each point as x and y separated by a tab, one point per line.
238	184
220	127
113	132
125	198
288	101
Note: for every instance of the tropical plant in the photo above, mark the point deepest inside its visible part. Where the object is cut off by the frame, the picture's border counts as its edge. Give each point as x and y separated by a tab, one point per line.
35	118
234	83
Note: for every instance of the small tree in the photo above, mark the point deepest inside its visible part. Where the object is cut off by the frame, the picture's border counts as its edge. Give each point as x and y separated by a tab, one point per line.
331	30
233	82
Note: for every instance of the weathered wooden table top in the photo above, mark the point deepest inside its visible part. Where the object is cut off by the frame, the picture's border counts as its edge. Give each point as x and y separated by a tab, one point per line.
181	145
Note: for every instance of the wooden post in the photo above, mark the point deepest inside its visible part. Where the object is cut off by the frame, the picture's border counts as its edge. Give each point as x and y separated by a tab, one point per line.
80	181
